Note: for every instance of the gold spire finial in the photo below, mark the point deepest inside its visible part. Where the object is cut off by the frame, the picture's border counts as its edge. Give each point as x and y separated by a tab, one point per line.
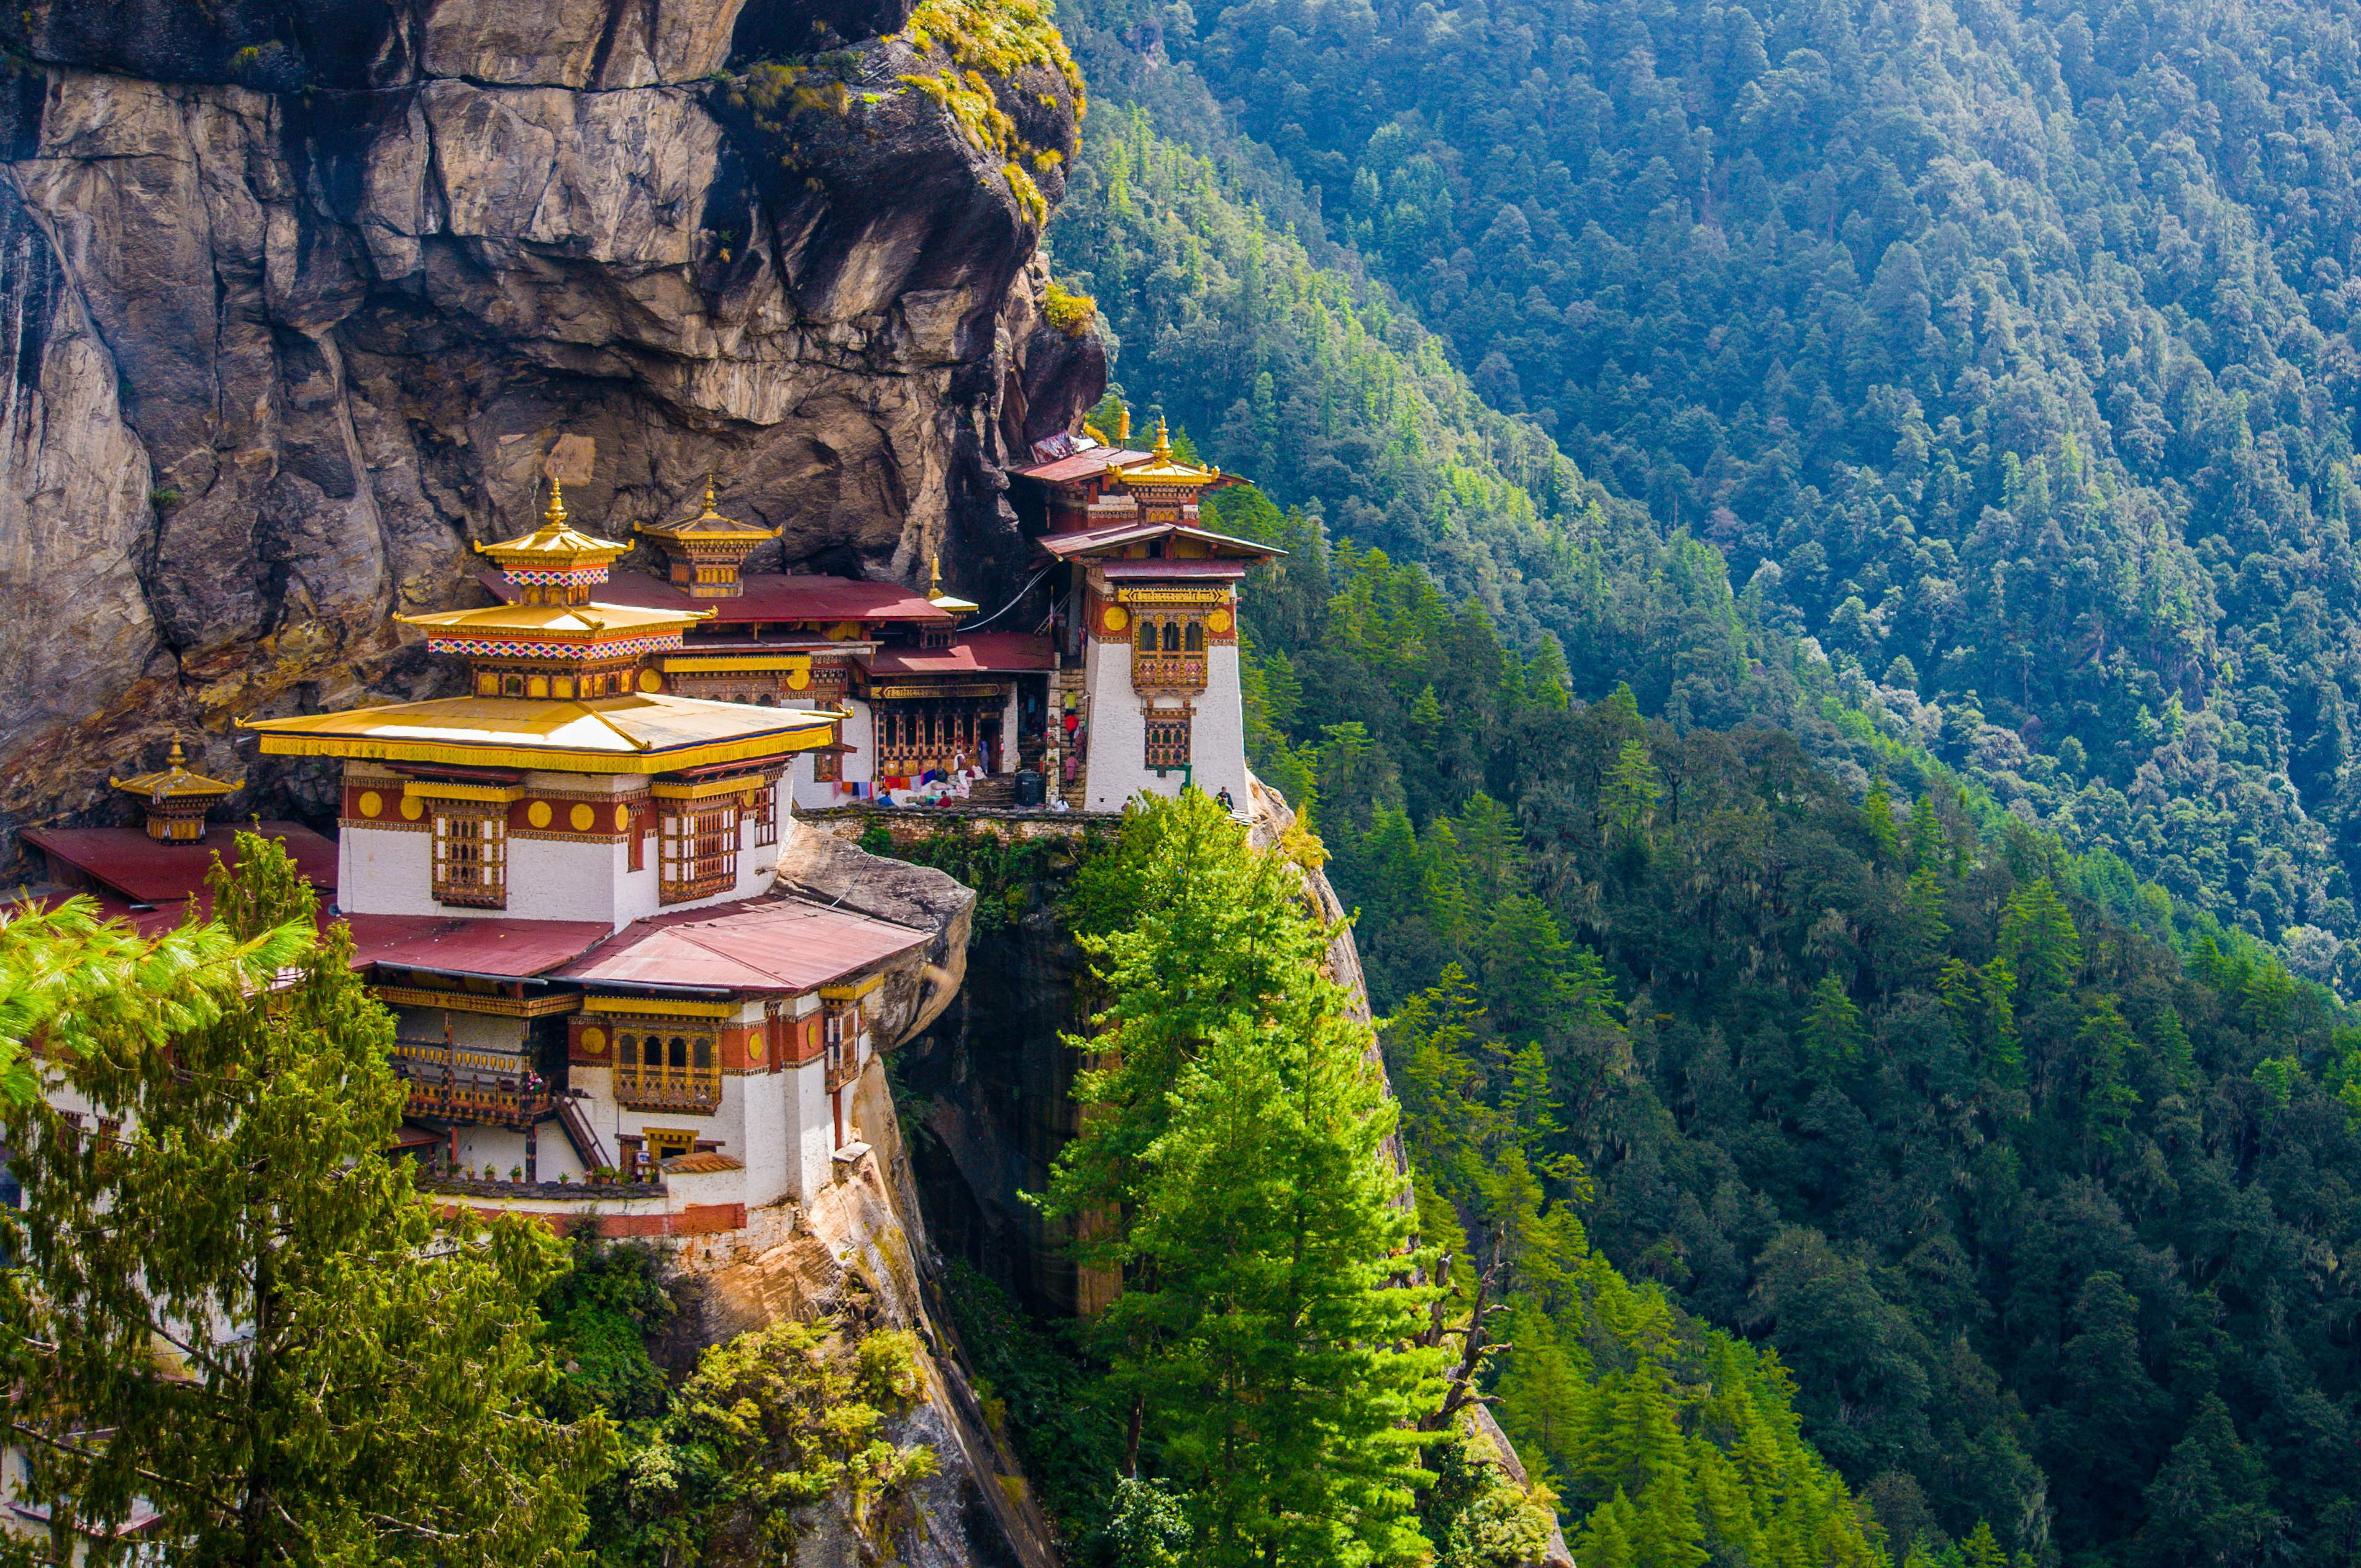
177	758
711	495
1123	433
1163	440
554	516
935	573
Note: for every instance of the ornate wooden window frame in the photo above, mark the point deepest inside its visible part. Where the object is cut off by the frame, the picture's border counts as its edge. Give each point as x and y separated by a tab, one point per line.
1168	733
470	865
686	1075
697	848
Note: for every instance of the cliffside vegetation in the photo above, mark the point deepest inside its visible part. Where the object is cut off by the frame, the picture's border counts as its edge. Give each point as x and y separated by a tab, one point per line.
368	1383
1883	933
1236	1152
2038	1217
776	1435
2007	348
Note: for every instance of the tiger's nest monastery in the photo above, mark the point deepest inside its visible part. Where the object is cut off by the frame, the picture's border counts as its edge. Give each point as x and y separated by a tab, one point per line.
565	882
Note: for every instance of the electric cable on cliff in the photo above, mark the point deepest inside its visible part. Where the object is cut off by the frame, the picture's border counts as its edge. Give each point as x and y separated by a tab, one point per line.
1011	604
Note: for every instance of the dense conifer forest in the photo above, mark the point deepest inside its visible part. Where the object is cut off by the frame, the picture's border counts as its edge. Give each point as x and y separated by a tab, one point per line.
1817	644
2003	350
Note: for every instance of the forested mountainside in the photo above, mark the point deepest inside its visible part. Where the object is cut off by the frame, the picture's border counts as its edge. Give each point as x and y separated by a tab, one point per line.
2048	1229
2006	350
2039	1187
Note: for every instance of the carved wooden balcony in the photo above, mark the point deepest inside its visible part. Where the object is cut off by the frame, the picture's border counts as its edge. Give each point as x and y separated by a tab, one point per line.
694	1090
1165	673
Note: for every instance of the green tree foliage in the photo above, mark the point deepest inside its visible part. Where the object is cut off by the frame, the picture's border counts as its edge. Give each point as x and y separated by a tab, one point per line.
1234	1163
1664	1441
775	1428
1906	1181
228	1300
2008	355
1832	1036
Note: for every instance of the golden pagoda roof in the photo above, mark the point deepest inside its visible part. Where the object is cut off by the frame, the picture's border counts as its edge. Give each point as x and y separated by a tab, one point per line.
175	782
710	525
1164	469
950	603
564	622
555	545
642	733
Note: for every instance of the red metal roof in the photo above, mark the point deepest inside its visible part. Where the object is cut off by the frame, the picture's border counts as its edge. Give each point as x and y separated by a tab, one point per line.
782	944
1081	465
1127	571
1086	542
510	950
128	862
979	652
768	596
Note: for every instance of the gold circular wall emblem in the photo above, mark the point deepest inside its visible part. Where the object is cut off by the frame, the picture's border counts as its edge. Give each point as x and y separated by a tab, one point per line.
1115	620
371	803
798	679
650	681
538	813
594	1042
622	819
582	817
754	1050
413	808
1218	621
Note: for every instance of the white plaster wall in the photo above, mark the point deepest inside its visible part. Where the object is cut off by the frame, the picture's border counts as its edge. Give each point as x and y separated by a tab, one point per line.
1217	743
384	872
770	1142
860	765
1118	731
1005	760
556	879
816	1135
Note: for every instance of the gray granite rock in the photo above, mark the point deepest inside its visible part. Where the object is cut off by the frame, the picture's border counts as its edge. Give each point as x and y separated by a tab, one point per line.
303	295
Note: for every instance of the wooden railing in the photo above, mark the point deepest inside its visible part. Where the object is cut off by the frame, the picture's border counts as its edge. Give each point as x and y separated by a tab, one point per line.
692	1089
491	1088
1167	672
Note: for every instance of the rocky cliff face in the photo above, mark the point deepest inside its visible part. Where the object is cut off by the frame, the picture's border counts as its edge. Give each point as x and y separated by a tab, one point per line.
296	300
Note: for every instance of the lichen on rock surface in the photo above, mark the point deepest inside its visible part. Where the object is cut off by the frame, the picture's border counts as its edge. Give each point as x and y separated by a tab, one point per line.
300	297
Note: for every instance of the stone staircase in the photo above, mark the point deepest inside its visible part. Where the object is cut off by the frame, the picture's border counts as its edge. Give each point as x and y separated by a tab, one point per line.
1070	679
997	792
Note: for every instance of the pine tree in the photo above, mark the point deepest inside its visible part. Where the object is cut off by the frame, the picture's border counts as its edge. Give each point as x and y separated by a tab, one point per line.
1240	1148
2039	939
1877	812
1928	847
344	1376
2108	1102
2210	1505
1982	1549
1628	799
1833	1035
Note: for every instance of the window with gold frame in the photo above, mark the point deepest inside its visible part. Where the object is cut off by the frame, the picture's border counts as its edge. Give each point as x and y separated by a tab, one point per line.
697	850
1168	739
764	807
471	855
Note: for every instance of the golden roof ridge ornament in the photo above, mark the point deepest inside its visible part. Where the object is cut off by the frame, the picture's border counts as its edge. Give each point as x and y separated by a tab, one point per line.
175	778
555	545
177	798
941	600
1163	471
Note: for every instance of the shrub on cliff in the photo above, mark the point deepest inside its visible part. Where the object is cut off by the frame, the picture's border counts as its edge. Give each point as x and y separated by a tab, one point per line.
227	1303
